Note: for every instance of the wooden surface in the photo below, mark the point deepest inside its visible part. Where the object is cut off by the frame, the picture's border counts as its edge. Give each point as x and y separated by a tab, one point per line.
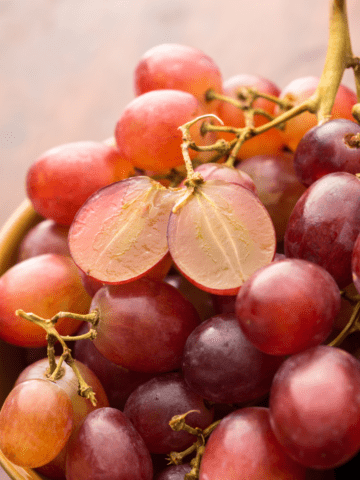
66	66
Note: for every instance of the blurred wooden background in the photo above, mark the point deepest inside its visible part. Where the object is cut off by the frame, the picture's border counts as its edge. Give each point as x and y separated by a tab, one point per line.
66	66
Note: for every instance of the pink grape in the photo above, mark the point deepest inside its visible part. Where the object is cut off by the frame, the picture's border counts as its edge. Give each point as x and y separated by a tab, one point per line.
178	67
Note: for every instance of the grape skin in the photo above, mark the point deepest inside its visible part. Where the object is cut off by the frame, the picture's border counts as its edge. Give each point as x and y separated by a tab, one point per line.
315	407
179	67
153	404
325	149
36	421
243	447
108	447
325	223
288	306
143	325
45	284
221	365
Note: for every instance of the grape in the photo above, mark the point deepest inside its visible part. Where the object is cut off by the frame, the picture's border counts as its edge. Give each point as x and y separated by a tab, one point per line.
201	300
153	404
178	67
325	223
147	132
46	237
108	447
221	365
269	142
143	325
220	235
315	407
62	178
243	447
36	421
326	148
81	406
299	90
119	234
45	284
288	306
174	472
355	264
277	186
218	171
118	382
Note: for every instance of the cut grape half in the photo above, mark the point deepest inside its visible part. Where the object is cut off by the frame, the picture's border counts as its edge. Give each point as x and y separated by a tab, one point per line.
119	234
220	235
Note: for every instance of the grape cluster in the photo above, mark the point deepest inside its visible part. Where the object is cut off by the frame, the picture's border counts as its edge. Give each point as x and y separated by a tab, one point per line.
218	266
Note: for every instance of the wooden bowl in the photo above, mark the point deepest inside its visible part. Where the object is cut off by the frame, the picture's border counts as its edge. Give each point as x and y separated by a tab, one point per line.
10	356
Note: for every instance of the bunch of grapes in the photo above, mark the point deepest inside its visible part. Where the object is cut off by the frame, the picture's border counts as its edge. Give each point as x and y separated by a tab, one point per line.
203	263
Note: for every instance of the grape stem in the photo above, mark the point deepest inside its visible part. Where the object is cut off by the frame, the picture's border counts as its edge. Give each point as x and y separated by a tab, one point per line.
178	423
339	56
352	326
55	370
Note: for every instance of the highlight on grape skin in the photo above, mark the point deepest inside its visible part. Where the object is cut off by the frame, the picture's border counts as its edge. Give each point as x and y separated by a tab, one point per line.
220	235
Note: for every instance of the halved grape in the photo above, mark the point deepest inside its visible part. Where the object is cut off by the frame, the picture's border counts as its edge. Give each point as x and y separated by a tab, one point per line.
220	235
120	232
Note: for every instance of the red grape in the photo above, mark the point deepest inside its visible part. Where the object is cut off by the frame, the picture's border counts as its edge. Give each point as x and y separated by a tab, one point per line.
62	178
243	447
220	235
46	237
153	404
325	223
299	90
107	447
147	132
221	365
288	306
277	187
219	171
119	234
315	407
178	67
81	406
36	421
326	148
45	284
143	325
269	142
118	382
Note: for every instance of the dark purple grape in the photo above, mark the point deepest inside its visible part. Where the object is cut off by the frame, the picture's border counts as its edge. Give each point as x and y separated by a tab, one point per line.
221	365
153	404
315	407
330	147
325	223
107	447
